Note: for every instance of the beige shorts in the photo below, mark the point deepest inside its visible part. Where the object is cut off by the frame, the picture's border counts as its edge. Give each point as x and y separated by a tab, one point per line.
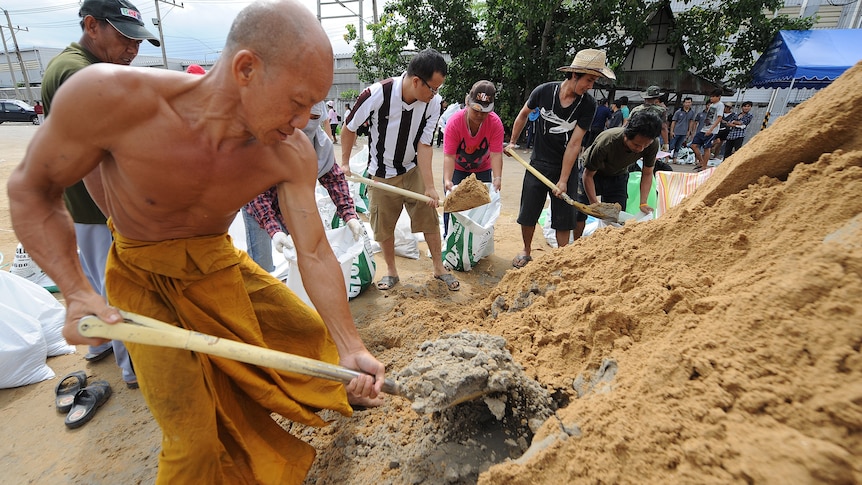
385	207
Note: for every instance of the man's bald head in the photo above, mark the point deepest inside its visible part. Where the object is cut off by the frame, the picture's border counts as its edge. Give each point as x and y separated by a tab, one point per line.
279	31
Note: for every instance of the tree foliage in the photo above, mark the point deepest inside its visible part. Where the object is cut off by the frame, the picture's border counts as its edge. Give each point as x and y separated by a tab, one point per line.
519	44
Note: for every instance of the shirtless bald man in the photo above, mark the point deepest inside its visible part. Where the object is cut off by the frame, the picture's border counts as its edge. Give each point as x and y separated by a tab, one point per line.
171	163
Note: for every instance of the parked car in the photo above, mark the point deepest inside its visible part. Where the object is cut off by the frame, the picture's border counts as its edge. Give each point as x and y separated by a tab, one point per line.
15	110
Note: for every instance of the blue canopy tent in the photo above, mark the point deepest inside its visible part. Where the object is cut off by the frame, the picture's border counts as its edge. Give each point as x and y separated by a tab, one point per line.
806	59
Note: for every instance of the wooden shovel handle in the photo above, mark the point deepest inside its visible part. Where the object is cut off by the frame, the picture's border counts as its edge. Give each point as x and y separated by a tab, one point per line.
144	330
577	205
390	188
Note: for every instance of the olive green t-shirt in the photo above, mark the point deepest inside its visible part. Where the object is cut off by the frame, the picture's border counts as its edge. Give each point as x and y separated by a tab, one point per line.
655	109
609	155
71	60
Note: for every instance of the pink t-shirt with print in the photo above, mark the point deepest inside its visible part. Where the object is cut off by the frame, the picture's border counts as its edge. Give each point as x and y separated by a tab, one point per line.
473	153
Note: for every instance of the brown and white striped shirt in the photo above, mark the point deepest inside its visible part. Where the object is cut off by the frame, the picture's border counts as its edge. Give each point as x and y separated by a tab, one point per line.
396	128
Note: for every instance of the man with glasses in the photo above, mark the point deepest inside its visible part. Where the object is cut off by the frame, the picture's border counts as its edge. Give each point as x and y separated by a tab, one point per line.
112	32
604	166
402	113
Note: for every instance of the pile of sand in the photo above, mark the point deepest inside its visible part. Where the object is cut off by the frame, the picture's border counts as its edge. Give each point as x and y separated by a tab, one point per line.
718	344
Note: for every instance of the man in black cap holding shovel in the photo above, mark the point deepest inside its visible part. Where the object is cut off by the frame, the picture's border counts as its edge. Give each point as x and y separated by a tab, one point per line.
112	32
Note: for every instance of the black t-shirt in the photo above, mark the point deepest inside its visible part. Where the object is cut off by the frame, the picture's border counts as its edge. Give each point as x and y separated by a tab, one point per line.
556	124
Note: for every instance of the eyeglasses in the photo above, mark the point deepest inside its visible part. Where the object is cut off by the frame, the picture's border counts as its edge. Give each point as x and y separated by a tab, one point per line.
433	90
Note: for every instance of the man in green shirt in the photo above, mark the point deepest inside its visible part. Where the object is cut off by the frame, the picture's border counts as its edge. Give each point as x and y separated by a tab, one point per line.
604	165
112	32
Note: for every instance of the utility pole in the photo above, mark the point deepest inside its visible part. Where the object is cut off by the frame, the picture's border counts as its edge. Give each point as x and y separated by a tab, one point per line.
158	22
351	14
9	63
20	59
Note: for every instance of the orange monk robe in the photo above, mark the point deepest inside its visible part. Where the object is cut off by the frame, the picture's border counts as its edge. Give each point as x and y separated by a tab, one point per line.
214	412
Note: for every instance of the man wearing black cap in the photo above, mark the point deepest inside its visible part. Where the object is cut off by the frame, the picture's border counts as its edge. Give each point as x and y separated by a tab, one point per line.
652	102
112	32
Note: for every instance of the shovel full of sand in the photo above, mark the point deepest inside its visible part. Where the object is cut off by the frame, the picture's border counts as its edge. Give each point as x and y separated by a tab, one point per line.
448	372
602	210
468	194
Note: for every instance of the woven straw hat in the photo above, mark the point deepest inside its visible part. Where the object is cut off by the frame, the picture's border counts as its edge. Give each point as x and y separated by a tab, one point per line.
590	61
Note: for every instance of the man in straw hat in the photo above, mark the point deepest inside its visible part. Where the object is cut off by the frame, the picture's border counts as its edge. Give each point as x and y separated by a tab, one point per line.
566	112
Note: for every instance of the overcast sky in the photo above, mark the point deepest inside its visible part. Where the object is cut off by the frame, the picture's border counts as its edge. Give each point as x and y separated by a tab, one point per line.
196	32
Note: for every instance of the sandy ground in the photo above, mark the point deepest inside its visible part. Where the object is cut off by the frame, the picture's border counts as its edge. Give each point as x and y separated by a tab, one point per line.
718	344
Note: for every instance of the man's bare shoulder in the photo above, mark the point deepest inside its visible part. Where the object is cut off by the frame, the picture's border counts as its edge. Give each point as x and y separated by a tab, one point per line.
113	85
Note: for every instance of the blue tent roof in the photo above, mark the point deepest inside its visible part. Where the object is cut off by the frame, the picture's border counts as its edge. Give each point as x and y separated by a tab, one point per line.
809	58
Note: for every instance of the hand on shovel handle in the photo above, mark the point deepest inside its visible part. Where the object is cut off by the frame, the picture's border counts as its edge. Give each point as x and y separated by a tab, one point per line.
609	212
144	330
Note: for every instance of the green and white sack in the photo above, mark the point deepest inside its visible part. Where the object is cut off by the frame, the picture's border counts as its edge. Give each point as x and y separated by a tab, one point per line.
345	249
363	268
471	235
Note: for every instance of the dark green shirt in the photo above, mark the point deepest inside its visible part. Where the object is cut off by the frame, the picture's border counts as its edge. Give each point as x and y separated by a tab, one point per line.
71	60
609	155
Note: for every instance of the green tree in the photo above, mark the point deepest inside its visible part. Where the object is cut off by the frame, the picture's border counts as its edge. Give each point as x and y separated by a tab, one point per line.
519	44
349	95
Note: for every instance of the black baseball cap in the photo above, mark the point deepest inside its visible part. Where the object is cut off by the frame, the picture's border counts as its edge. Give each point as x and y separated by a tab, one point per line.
122	15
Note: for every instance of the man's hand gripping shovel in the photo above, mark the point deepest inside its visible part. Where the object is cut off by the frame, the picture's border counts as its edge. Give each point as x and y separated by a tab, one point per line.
608	212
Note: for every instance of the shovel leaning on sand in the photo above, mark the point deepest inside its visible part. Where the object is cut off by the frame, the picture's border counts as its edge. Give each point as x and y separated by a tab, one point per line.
452	202
602	210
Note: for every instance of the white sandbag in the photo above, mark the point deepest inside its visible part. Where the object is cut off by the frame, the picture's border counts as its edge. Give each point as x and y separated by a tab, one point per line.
325	207
22	349
471	234
31	299
362	270
673	187
406	244
345	249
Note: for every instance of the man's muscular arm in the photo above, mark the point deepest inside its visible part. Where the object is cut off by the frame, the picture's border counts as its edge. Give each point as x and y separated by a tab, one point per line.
62	153
322	277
